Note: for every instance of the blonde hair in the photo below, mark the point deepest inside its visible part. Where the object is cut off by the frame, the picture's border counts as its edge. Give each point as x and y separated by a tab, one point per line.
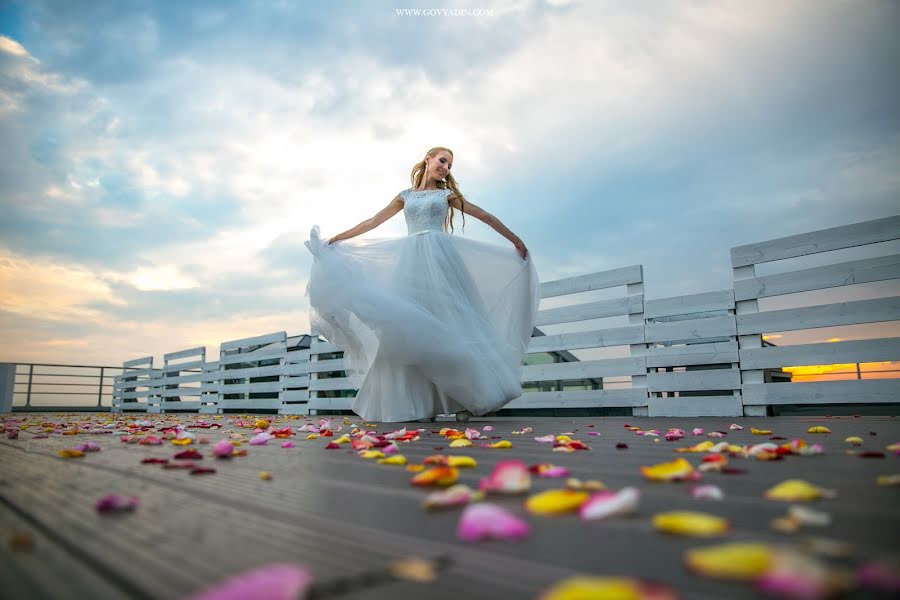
418	173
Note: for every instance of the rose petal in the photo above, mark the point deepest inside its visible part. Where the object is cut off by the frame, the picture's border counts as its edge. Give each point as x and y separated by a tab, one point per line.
114	503
707	492
818	429
273	582
508	477
489	521
552	502
607	588
695	524
223	449
441	476
796	490
455	495
741	560
676	470
610	504
396	459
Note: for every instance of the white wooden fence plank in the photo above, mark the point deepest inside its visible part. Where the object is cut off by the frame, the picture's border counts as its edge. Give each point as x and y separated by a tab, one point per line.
634	397
867	270
198	351
614	336
693	303
336	383
279	336
147	360
591	310
267	371
592	281
853	391
584	369
693	354
691	329
823	315
243	403
683	381
250	388
829	353
836	238
264	353
696	406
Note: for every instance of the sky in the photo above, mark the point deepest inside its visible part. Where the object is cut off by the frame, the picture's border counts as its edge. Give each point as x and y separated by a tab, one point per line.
163	162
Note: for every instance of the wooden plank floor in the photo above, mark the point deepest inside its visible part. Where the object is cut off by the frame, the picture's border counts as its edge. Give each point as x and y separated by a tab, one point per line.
346	518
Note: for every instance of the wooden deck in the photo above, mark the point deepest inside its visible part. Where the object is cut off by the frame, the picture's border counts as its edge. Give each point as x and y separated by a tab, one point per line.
346	518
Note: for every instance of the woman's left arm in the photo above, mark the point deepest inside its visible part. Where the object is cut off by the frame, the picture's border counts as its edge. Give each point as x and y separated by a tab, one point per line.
483	215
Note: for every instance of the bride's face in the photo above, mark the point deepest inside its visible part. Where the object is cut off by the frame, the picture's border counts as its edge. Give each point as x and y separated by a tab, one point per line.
439	165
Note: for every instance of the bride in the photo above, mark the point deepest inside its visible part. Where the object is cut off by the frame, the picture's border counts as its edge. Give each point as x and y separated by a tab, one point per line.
435	323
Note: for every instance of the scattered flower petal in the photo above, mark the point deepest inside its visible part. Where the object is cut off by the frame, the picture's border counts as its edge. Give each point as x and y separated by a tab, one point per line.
708	492
114	503
489	521
273	582
610	504
508	477
696	524
552	502
455	495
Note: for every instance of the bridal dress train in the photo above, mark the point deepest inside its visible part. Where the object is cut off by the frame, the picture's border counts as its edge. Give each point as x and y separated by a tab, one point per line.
433	322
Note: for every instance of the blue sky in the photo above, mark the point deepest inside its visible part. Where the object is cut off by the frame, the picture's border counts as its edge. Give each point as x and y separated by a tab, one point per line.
163	162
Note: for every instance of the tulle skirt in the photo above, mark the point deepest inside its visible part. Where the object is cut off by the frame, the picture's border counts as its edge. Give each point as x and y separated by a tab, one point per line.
432	323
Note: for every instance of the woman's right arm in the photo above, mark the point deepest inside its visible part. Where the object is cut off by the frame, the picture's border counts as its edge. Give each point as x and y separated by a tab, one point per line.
383	215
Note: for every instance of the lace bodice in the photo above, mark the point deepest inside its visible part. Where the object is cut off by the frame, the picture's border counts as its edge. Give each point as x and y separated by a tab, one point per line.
424	210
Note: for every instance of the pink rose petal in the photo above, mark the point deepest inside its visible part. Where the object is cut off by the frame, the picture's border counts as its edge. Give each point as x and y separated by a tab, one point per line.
261	438
287	444
489	521
273	582
707	492
546	439
508	477
223	449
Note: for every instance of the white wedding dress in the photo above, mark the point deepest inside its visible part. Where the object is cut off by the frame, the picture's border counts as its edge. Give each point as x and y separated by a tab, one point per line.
435	323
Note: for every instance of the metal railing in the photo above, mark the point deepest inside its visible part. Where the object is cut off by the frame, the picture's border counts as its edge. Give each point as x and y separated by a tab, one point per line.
46	387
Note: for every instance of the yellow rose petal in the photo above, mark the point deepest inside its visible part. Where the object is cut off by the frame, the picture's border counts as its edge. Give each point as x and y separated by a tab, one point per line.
742	560
461	462
397	459
555	501
501	444
586	588
888	480
369	454
668	471
182	441
855	440
685	522
818	429
71	453
794	490
460	443
415	468
756	431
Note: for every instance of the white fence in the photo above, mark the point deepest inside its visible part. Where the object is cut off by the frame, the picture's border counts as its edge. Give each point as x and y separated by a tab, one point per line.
700	354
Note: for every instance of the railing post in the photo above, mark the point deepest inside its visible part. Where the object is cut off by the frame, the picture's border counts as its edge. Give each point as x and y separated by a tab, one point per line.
30	378
7	386
100	389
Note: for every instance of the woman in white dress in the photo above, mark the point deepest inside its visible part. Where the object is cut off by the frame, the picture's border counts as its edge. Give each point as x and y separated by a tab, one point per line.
433	322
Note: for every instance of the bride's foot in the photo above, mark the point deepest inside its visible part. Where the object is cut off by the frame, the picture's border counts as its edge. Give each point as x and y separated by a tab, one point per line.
426	420
463	415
